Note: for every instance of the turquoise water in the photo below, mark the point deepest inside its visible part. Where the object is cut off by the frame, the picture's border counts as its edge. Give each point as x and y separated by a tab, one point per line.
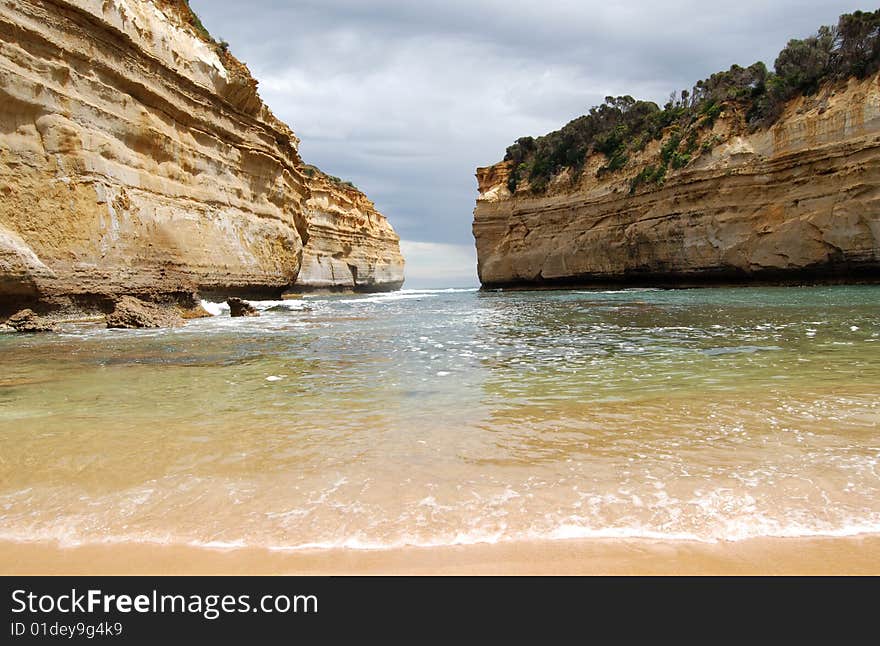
435	417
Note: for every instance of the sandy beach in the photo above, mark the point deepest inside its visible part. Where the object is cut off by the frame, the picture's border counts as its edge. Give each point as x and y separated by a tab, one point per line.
777	556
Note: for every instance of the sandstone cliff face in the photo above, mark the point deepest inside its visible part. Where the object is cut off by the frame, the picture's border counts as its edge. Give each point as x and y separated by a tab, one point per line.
800	201
350	244
136	157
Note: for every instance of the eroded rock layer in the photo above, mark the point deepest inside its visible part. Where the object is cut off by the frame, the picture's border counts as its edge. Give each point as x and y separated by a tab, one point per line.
136	157
797	202
350	244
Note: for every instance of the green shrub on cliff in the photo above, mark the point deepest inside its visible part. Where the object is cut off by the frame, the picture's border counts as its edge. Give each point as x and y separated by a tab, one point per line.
607	129
648	175
615	162
623	125
710	111
311	171
196	23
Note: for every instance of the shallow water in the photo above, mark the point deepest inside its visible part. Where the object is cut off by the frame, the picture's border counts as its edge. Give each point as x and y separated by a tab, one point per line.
440	417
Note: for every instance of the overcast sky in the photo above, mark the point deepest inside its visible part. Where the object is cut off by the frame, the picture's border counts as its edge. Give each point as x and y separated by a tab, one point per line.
407	97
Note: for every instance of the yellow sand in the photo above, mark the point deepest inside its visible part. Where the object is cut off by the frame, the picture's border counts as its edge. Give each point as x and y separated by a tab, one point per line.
814	556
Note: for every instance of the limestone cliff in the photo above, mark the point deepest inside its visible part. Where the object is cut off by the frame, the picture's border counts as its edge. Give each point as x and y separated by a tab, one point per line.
136	157
797	201
351	245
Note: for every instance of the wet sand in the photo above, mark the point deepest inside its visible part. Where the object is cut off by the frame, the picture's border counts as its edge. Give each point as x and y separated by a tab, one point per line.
765	556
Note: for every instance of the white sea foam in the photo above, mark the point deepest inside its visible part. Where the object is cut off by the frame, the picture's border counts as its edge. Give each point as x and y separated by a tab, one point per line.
733	531
389	297
446	290
619	291
222	308
405	294
219	545
215	309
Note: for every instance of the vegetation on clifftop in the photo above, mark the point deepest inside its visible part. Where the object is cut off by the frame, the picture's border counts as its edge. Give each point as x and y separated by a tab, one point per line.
622	125
313	171
187	15
196	22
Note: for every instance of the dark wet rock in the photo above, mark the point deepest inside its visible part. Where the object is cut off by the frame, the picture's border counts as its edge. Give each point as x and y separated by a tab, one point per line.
28	321
288	308
238	307
130	313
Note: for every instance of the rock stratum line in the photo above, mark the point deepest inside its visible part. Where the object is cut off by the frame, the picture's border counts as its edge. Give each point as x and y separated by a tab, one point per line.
797	202
136	157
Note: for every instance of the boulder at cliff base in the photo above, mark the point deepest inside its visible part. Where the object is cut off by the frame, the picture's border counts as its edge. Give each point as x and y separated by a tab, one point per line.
238	308
131	313
27	321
